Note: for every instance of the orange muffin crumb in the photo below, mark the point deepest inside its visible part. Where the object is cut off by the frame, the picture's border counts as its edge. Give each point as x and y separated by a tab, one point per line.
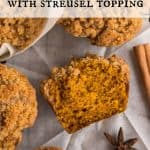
89	89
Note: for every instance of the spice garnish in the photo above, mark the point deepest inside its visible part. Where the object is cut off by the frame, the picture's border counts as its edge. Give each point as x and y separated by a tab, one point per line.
119	142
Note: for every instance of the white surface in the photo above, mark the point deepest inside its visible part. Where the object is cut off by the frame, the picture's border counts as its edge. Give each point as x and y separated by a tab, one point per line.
78	9
55	49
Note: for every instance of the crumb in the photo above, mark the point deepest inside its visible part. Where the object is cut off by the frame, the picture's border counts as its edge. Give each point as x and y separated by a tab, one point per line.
89	89
49	148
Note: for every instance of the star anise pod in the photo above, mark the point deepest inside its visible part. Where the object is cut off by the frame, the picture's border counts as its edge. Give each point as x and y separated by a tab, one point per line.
3	62
119	143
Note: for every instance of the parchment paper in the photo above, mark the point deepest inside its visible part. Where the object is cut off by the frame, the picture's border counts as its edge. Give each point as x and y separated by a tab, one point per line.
55	49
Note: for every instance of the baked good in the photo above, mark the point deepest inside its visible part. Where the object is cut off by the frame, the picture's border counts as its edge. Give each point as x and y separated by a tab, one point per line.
49	148
103	32
89	89
18	106
20	32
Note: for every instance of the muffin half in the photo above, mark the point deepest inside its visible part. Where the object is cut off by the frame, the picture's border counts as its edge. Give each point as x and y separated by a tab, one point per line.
89	89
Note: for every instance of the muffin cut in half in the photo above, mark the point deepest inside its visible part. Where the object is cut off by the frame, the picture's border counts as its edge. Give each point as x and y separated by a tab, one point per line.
89	89
18	106
103	31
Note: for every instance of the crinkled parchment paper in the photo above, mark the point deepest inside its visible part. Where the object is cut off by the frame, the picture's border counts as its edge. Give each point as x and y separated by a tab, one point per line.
55	49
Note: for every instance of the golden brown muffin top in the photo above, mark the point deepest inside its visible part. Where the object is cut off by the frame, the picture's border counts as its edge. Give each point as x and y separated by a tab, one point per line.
18	106
20	32
103	32
82	92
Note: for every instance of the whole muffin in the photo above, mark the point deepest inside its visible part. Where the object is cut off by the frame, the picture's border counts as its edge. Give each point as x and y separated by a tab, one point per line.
103	32
20	32
18	106
89	89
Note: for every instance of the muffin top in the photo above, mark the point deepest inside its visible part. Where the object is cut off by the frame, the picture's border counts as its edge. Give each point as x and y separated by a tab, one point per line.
20	32
18	106
103	32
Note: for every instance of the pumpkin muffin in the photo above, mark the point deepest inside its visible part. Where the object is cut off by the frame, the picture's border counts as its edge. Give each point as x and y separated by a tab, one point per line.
18	106
89	89
103	32
20	32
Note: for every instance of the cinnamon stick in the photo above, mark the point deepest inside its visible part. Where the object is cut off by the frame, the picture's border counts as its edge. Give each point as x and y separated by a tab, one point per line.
142	53
147	51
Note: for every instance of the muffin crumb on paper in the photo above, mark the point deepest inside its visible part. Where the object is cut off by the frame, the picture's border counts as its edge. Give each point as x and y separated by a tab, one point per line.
49	148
